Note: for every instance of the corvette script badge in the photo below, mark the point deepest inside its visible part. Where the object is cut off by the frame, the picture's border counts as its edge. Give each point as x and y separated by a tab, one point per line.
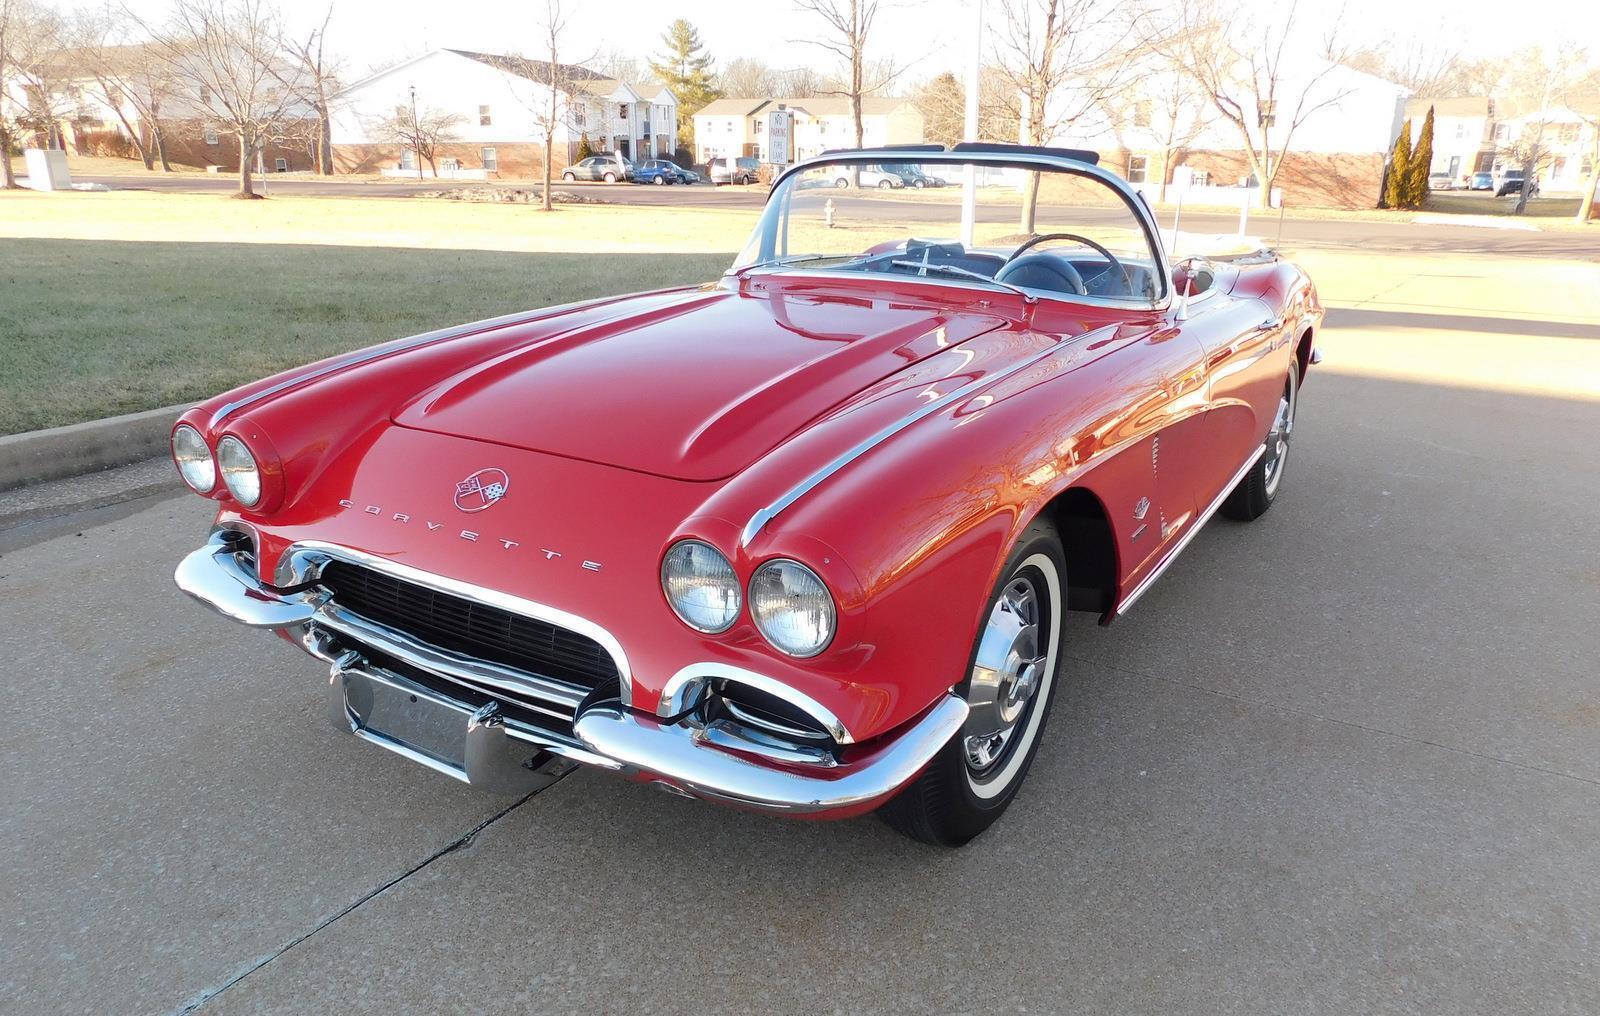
482	489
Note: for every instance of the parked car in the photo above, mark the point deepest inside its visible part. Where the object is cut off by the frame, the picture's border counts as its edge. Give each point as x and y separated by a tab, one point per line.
1511	183
869	176
610	168
913	174
728	169
1441	182
657	171
688	176
818	567
1482	181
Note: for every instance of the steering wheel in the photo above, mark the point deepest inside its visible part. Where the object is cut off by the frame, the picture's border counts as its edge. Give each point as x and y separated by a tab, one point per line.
1111	259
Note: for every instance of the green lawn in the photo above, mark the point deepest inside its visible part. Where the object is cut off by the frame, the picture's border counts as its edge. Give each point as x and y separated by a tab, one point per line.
93	328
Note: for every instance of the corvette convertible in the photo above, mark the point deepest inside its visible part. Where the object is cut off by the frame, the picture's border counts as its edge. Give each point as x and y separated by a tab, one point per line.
799	540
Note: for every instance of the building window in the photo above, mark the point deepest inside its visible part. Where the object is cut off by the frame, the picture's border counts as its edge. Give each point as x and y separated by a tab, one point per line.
484	118
577	116
622	110
211	136
491	162
1461	132
756	123
281	165
1141	114
408	158
1136	167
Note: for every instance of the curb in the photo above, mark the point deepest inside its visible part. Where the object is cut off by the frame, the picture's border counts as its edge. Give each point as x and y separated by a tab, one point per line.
79	448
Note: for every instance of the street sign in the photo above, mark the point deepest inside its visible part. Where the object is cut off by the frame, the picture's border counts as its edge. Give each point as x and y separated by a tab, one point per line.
779	136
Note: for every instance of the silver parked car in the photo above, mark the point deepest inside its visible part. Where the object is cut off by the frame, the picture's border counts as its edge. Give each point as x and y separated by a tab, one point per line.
730	169
609	168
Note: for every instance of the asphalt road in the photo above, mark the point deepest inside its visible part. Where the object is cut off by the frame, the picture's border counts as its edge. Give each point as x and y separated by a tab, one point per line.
1330	234
1342	759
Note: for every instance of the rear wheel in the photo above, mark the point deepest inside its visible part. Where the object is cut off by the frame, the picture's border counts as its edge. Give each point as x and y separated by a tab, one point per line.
1259	488
569	176
610	178
658	181
841	182
1008	689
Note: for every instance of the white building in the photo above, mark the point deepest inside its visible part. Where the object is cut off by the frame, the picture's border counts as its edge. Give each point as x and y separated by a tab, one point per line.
499	103
735	127
1161	126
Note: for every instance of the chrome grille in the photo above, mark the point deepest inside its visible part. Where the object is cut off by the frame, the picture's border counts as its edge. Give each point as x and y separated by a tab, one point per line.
469	628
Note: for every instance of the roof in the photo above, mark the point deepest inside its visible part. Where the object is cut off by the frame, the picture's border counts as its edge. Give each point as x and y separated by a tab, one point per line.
731	107
816	105
533	70
1465	105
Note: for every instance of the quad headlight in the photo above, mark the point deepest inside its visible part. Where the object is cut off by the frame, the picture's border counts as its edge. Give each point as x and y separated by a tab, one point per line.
239	470
701	586
194	460
792	608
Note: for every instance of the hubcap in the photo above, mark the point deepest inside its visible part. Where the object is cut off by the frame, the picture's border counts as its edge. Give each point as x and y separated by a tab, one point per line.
1009	669
1278	439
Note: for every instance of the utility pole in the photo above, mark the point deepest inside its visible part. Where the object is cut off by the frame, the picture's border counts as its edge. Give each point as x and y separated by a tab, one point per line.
416	135
969	182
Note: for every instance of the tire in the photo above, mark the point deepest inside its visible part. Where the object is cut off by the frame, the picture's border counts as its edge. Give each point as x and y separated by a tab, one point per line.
841	182
971	781
1262	485
569	177
885	185
610	178
658	181
920	184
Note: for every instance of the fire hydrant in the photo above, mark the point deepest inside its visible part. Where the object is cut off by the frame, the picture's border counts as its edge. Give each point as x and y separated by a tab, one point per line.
827	213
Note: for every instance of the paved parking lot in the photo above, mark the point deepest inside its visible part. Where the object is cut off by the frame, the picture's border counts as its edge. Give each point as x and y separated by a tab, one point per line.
1343	759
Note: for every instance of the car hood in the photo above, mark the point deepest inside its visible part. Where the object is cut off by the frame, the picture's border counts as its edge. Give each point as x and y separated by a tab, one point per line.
696	390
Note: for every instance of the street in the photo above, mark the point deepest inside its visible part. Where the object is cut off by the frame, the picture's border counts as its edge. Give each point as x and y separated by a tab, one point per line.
1316	233
1342	759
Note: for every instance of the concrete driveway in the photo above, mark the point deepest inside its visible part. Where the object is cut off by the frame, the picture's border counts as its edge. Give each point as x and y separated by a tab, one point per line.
1342	759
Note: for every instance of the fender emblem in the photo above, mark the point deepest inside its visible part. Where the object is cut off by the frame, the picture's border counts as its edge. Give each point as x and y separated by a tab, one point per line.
1141	508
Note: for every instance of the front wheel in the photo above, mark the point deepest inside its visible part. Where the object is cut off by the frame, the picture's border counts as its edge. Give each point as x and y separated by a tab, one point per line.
658	181
610	178
569	177
1009	688
1259	488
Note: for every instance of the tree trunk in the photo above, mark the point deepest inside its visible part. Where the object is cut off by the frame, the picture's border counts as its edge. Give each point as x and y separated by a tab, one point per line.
245	155
161	148
8	180
1166	175
324	141
1586	206
1527	181
545	201
1030	204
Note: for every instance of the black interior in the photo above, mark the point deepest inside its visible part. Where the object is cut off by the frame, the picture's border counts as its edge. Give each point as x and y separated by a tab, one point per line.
1071	272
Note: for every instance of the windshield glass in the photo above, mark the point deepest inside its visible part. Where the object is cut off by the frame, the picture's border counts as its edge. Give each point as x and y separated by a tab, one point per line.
1051	232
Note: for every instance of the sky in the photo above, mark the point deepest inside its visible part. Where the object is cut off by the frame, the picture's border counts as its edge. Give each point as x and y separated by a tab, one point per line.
926	37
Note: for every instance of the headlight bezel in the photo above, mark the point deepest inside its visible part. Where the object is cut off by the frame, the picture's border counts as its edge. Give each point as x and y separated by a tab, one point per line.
224	448
690	544
210	460
764	620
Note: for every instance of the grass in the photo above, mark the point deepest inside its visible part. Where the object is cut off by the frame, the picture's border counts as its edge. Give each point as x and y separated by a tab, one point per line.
93	329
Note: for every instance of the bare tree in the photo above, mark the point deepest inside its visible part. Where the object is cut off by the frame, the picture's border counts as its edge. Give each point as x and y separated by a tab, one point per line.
420	132
231	59
617	65
98	57
1178	116
32	99
849	24
942	100
319	77
798	82
1265	90
1064	60
747	77
15	53
1427	65
1583	98
1538	80
552	101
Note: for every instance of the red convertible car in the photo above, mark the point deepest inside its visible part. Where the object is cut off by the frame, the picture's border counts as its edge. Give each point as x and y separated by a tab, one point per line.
799	540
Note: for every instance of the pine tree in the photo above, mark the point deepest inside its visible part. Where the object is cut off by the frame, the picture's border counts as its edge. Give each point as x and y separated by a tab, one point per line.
1420	164
584	148
685	68
1394	188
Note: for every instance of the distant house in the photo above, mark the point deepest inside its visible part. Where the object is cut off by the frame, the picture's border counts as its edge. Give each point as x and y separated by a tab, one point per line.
738	126
499	102
1463	134
82	117
1159	130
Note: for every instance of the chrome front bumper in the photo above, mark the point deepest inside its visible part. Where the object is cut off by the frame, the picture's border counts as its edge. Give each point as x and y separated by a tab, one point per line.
498	751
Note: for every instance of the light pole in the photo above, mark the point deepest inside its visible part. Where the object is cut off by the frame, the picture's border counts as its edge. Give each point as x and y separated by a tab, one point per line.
969	173
416	135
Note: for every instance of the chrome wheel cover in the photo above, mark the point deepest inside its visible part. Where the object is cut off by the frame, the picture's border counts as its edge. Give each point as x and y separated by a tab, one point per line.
1278	438
1011	666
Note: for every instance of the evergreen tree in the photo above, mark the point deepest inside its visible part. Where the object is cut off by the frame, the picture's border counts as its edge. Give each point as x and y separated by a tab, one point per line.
1394	187
584	148
685	68
1420	165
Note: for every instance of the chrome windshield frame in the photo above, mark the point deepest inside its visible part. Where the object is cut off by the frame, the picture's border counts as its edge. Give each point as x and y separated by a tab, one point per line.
770	225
